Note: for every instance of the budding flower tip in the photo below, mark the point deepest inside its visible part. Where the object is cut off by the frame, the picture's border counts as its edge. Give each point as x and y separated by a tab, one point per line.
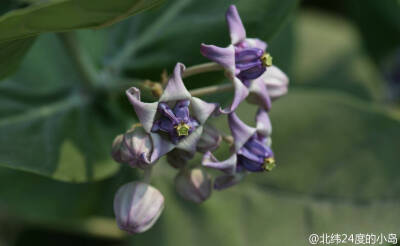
269	164
266	60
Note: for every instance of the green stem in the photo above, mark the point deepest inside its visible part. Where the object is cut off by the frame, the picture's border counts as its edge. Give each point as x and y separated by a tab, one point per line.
80	57
202	68
147	175
124	83
211	89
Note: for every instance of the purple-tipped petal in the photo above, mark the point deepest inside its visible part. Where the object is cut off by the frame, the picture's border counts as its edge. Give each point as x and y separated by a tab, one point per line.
240	131
144	111
241	93
263	122
181	110
175	89
228	166
248	55
167	112
161	147
226	181
256	43
250	71
201	109
223	56
276	81
259	95
235	25
189	142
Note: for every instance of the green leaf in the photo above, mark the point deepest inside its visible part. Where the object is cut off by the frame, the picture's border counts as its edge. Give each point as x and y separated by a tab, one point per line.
19	27
340	64
379	25
50	125
65	15
40	201
11	54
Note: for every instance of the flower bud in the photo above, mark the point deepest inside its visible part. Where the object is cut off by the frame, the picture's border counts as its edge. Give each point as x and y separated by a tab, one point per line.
134	147
276	81
137	207
193	185
116	148
178	158
210	139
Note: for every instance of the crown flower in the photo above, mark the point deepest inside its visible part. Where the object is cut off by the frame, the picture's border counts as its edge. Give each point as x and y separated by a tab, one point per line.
252	152
245	61
175	121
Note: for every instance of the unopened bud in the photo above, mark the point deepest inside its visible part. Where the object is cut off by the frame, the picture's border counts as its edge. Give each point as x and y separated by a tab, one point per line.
193	185
137	207
276	81
116	148
210	139
134	147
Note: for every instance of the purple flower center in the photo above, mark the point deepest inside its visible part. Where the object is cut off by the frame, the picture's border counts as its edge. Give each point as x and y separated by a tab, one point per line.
177	123
255	155
251	63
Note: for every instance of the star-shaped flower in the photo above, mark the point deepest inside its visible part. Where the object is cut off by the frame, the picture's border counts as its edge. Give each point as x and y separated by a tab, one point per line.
252	151
246	62
176	120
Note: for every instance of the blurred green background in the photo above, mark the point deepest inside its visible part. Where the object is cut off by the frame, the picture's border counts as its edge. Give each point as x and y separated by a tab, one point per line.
336	135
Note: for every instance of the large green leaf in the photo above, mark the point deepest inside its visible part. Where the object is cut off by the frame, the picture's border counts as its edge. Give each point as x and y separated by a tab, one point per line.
19	27
379	25
65	15
50	125
11	54
329	55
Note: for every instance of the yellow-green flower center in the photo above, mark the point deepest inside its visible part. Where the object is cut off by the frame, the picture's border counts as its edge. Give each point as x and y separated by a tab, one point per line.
182	129
269	164
266	60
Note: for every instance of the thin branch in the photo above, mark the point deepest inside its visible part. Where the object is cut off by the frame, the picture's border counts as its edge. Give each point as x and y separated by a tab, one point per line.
147	175
202	68
211	89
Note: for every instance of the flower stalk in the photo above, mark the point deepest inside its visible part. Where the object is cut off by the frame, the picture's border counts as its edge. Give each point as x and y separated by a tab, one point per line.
202	68
147	175
208	90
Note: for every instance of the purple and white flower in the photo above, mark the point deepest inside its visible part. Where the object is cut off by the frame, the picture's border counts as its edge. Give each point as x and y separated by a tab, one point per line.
246	62
252	151
176	120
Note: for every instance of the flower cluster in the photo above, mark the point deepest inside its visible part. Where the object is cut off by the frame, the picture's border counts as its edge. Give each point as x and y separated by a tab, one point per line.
175	126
